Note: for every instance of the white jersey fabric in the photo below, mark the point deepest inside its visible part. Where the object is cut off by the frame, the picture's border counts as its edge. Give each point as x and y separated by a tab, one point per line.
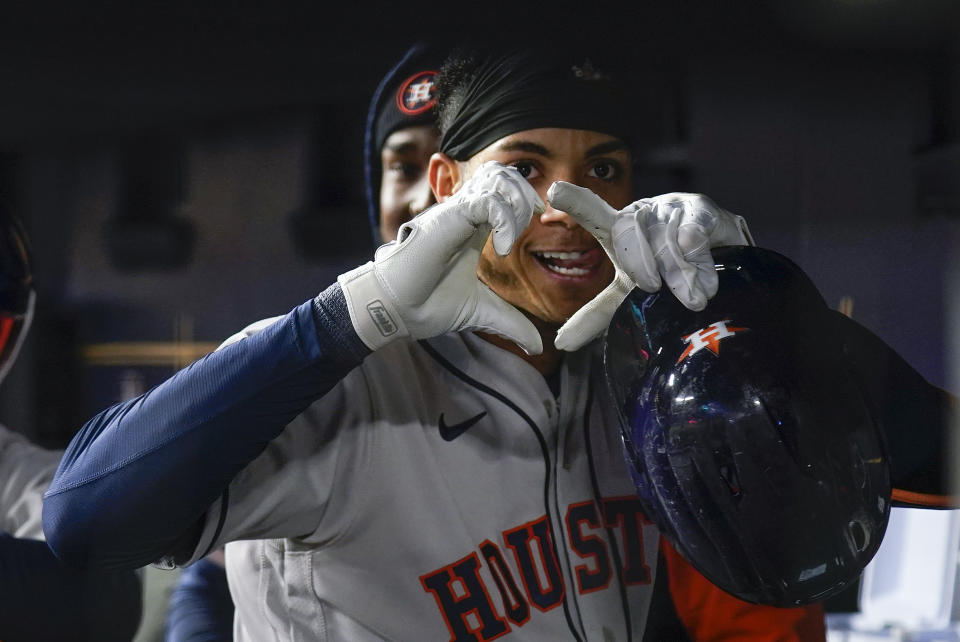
25	473
441	492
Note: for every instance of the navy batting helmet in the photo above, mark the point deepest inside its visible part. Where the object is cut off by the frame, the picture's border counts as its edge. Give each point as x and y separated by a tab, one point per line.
16	289
751	445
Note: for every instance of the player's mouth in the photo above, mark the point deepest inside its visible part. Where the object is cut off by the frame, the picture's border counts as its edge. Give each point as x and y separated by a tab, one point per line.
574	264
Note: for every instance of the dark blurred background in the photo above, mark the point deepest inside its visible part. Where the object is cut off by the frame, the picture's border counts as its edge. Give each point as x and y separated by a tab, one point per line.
184	170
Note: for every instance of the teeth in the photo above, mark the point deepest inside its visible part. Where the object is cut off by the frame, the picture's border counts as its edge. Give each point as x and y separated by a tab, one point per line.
563	256
568	271
566	256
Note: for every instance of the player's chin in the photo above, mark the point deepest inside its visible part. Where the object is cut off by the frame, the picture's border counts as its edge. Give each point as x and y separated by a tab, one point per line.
557	311
547	313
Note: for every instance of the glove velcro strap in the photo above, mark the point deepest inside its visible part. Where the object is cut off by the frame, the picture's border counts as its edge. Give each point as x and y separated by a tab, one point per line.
372	313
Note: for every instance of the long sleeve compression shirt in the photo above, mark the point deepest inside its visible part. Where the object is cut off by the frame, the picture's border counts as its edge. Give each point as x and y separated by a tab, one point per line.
136	481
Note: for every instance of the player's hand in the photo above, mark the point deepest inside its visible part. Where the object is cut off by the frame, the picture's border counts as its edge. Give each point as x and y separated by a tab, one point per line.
665	238
425	283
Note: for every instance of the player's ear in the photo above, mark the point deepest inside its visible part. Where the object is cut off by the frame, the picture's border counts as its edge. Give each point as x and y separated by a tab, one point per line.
444	176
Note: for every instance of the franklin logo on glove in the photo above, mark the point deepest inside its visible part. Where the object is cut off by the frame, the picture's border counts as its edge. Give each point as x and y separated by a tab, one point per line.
381	318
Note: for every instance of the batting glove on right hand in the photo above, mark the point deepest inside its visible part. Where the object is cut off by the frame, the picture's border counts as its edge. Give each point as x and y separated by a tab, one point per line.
425	283
669	235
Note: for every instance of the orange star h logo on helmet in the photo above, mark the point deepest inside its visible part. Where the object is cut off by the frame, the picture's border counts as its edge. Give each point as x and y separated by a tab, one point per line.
709	337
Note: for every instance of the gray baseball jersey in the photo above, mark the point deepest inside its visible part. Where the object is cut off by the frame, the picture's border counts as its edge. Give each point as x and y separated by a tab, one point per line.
441	492
25	472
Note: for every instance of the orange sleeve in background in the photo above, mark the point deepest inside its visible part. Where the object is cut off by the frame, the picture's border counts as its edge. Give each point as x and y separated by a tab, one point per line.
710	613
910	499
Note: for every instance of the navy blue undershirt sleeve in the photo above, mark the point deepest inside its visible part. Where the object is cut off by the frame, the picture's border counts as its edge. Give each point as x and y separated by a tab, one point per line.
201	609
137	479
42	598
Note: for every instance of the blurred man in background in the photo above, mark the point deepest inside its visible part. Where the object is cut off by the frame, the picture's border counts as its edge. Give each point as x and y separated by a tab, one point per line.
401	135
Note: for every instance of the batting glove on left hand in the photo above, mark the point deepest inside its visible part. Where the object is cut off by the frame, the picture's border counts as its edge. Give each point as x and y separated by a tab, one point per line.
669	236
425	283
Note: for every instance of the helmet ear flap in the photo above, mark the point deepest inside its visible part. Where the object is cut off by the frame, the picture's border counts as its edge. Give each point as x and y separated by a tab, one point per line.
13	330
17	296
751	445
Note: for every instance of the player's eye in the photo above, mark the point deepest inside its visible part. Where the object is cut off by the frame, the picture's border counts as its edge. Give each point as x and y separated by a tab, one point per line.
527	169
405	171
606	170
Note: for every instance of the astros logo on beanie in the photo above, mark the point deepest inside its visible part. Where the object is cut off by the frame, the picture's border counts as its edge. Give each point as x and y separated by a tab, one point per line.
405	97
417	93
409	96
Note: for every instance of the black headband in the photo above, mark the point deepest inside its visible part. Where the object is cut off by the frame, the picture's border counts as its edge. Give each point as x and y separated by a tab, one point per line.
519	91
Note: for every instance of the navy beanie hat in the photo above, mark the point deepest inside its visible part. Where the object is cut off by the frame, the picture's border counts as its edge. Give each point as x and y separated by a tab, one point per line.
406	97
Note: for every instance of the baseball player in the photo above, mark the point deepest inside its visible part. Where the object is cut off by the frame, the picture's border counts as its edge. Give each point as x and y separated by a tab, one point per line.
41	598
423	451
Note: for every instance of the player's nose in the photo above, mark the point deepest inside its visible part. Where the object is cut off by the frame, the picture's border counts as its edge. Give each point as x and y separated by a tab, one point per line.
554	216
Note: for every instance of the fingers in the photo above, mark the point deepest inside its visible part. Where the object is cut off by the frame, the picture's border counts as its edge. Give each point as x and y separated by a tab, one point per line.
694	245
741	224
506	225
589	210
682	228
730	230
495	315
508	182
505	200
632	251
620	233
680	275
684	281
592	319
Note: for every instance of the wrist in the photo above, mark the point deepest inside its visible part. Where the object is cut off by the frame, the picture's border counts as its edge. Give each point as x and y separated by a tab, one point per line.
337	338
372	312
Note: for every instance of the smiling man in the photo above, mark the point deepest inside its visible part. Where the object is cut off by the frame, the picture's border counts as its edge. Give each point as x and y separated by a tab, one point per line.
556	265
423	451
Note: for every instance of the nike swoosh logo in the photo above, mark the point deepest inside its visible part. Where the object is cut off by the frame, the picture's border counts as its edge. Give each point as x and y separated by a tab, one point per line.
449	433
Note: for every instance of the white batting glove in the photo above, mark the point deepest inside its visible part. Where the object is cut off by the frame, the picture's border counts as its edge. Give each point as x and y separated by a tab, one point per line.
667	236
425	283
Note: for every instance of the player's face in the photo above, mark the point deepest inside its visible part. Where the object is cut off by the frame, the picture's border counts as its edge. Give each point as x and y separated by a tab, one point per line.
405	190
556	266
